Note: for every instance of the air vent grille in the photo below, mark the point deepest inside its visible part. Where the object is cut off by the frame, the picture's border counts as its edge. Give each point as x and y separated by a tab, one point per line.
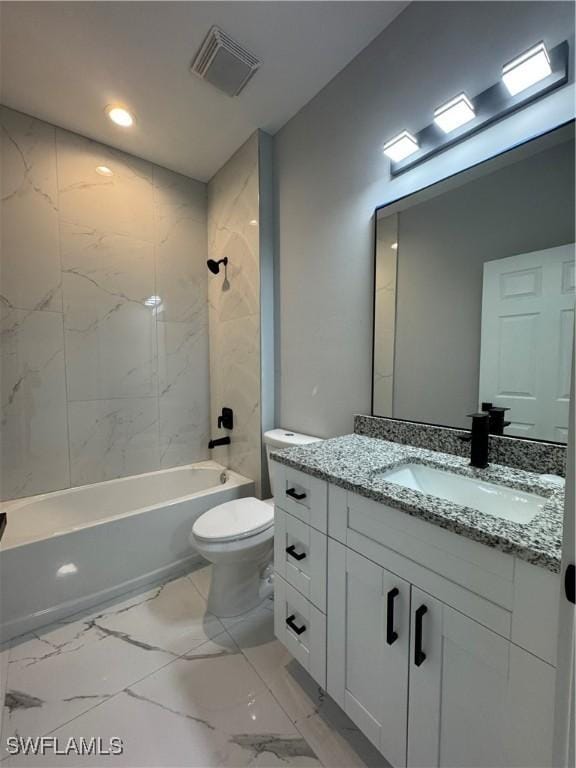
224	63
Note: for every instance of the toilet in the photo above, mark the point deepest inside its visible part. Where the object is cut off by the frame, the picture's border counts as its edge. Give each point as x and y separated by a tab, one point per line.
237	537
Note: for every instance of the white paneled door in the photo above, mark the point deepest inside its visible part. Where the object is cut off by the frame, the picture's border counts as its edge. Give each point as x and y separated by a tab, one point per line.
527	339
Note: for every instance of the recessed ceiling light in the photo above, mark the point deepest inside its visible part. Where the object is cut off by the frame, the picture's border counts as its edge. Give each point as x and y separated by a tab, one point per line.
120	116
400	146
525	70
103	170
456	112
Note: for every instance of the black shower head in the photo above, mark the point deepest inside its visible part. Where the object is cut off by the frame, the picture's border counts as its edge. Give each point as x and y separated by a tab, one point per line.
214	266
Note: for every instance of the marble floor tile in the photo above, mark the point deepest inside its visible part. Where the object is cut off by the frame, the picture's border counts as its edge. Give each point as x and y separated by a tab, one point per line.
55	675
335	739
171	618
177	686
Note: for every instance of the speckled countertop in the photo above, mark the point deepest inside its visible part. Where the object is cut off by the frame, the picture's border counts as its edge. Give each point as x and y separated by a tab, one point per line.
356	462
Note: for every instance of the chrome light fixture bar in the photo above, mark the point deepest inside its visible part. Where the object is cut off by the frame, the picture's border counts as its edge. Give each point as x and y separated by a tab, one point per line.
455	113
527	69
524	80
401	146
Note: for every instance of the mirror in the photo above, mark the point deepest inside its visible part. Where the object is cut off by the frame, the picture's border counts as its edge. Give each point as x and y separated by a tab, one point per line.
474	294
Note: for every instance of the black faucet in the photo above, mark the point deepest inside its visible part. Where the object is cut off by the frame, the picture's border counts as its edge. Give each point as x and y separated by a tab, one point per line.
496	414
479	439
219	441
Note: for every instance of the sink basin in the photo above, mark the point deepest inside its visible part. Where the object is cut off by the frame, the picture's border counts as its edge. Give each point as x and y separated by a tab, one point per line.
496	500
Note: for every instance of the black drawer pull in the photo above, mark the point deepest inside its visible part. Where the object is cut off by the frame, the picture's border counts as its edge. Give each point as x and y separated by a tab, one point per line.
291	550
298	496
419	655
292	624
391	635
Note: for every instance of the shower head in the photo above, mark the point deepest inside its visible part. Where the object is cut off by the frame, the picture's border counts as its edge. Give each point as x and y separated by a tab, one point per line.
214	266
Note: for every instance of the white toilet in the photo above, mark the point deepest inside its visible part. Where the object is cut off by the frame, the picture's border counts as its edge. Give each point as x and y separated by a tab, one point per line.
238	538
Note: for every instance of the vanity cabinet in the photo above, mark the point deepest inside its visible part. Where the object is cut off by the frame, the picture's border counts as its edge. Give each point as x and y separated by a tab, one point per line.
475	698
368	646
439	648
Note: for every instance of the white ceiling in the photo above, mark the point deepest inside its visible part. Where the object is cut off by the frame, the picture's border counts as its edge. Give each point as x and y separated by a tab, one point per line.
65	61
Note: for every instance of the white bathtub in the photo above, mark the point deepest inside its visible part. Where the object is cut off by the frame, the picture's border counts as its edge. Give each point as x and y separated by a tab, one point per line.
65	551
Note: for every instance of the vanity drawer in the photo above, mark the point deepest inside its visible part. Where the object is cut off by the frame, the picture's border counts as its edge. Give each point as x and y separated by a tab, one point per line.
301	495
301	628
300	557
483	570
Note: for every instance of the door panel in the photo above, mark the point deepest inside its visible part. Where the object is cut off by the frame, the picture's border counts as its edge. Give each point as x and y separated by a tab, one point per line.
527	333
476	700
425	683
368	666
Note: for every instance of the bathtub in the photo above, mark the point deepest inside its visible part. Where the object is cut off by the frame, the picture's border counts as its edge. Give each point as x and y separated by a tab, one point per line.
66	551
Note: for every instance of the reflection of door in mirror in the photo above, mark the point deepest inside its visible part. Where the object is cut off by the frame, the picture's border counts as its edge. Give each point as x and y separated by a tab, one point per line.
527	340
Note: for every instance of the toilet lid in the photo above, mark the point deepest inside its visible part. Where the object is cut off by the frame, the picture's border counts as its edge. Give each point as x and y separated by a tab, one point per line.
235	519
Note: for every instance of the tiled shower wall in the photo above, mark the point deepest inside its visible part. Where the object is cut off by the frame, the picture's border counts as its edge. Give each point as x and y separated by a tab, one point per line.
233	231
103	312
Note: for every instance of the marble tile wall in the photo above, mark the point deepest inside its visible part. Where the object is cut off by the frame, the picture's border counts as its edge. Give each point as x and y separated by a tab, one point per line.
233	232
103	312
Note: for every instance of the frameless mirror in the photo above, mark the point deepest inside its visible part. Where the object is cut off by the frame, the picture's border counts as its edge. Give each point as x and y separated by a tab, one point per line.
474	294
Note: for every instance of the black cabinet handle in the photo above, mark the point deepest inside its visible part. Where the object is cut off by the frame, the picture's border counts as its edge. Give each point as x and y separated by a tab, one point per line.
292	624
291	550
391	635
419	654
570	583
298	496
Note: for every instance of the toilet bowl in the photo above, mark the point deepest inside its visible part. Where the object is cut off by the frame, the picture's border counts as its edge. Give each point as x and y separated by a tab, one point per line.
237	537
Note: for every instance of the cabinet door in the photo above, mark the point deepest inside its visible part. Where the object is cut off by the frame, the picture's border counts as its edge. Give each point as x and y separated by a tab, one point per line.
368	640
475	699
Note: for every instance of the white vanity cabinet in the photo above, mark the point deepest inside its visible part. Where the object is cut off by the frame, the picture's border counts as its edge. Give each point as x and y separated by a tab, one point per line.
439	648
368	645
300	562
475	698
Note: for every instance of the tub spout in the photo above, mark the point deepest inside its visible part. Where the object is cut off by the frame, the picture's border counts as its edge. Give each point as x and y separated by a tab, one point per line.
219	441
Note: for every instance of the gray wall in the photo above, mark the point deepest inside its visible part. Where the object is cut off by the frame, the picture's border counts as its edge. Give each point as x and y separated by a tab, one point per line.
330	174
443	244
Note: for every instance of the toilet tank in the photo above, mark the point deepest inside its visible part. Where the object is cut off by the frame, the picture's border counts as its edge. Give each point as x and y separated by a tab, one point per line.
285	438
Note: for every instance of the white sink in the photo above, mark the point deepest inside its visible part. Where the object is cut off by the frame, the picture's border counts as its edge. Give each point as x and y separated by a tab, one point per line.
496	500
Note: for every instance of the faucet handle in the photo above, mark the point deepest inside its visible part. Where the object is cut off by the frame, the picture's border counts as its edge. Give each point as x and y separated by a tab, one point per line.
479	415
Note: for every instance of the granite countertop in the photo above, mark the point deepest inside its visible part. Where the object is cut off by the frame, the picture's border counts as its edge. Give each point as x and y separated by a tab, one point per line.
355	462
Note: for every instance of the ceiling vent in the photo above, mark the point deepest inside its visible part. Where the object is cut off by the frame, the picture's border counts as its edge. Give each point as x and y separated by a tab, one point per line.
224	63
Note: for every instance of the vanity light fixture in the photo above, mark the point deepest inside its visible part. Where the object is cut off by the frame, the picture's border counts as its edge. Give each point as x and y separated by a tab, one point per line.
401	146
527	69
120	116
103	170
528	77
455	113
253	222
394	246
153	301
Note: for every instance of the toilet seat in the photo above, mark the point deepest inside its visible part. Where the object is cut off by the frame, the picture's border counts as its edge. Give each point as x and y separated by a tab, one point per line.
234	520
